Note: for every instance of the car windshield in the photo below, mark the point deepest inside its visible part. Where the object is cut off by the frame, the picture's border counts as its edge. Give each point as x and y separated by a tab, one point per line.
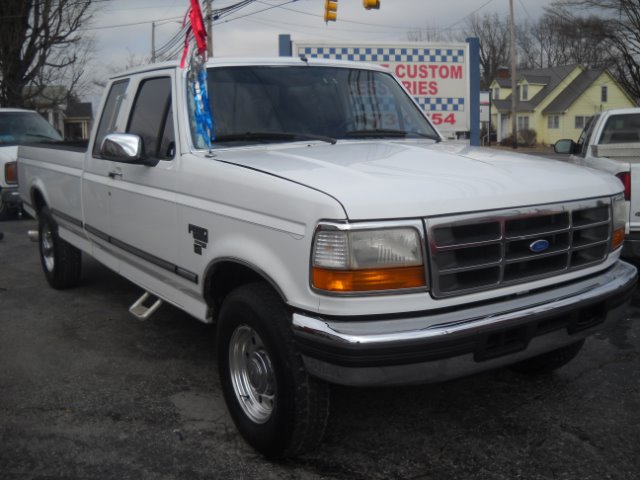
263	104
25	127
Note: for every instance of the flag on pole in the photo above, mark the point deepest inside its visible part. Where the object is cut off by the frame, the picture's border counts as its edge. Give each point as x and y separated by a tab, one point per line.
198	72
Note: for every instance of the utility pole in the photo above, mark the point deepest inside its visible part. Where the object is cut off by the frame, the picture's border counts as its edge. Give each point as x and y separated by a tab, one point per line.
153	42
209	28
514	123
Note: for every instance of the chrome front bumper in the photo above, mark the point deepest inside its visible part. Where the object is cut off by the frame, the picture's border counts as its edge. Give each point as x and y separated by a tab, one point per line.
432	347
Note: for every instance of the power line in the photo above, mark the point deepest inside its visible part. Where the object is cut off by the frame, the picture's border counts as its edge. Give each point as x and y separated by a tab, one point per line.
468	15
259	11
306	27
145	22
404	27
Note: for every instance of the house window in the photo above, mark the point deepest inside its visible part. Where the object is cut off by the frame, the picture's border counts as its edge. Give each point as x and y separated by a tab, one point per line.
496	93
604	94
523	123
525	92
553	121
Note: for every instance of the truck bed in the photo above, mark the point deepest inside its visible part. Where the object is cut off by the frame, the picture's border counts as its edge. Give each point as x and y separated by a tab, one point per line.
625	152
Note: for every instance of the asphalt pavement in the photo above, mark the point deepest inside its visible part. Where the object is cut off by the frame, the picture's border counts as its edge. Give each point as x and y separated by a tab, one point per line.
89	392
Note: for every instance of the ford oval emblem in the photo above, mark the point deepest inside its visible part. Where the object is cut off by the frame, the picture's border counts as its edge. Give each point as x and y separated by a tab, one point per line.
539	246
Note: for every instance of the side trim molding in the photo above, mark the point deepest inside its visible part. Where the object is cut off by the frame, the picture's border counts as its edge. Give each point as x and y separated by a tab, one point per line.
157	261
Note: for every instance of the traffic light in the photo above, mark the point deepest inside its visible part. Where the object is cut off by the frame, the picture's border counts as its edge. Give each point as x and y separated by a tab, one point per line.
369	4
330	10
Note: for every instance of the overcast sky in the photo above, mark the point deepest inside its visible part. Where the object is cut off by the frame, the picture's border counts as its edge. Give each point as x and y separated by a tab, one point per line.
253	31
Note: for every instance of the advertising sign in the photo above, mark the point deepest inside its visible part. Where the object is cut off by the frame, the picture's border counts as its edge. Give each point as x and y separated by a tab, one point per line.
437	75
485	106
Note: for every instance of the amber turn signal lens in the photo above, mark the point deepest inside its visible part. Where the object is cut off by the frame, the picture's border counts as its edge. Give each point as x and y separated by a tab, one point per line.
11	172
345	281
617	238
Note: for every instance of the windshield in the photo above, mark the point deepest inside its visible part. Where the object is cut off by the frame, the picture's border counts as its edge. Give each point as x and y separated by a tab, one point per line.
25	127
262	104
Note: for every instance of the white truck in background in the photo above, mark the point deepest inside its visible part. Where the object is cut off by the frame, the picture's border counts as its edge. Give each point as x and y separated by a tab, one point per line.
610	142
18	126
329	233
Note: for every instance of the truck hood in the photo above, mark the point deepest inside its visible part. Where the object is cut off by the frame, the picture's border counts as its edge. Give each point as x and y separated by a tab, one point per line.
400	179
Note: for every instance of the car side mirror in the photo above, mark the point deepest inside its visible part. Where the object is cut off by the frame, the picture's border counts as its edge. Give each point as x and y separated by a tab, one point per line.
121	147
565	146
125	148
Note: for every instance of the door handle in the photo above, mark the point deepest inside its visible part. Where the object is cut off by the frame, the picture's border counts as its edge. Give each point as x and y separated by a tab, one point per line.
115	174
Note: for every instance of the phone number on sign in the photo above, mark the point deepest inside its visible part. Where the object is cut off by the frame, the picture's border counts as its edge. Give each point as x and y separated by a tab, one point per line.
442	118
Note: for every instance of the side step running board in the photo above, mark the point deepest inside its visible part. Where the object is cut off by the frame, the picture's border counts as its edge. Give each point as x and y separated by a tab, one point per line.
145	306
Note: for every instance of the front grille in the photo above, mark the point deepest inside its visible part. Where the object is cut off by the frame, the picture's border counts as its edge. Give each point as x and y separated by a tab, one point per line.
483	251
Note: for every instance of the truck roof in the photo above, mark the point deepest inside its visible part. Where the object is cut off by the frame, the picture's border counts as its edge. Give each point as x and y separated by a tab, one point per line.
622	111
255	61
14	110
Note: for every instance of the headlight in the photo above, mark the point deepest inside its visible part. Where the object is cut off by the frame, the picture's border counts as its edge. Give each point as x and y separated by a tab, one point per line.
368	258
620	215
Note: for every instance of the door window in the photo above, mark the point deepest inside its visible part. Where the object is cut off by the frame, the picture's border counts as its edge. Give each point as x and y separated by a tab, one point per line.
110	113
585	136
152	118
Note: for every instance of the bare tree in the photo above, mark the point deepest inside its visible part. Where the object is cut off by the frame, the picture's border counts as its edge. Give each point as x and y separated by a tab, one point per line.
100	81
560	39
41	46
427	34
623	34
493	34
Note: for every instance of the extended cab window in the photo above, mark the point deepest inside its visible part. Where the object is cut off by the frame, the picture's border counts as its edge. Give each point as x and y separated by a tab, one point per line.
110	113
152	118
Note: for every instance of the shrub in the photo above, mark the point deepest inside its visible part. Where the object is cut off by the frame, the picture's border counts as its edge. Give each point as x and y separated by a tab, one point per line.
526	138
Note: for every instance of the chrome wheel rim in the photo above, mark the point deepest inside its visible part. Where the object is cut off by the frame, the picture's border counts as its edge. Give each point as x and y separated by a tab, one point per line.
252	374
46	248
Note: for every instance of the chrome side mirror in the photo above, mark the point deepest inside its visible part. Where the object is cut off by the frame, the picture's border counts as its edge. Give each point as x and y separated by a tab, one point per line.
122	147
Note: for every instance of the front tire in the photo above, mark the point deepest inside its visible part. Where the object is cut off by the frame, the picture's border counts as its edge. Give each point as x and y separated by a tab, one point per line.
550	361
61	261
277	407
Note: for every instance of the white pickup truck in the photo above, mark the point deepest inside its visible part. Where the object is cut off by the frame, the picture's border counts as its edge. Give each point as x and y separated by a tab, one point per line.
330	234
610	141
18	126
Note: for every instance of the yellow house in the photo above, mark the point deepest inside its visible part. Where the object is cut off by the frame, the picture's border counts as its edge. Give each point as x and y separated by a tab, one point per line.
554	102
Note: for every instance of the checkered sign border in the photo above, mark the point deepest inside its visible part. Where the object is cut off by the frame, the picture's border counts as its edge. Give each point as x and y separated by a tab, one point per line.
441	104
386	54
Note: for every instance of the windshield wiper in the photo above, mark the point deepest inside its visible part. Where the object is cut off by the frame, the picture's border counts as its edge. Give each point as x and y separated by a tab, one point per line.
273	136
387	132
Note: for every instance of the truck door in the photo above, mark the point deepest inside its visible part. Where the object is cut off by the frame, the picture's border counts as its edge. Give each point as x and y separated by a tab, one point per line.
143	208
96	182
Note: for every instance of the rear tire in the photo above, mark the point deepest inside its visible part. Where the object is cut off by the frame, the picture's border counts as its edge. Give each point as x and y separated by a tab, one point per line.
277	407
550	361
61	261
